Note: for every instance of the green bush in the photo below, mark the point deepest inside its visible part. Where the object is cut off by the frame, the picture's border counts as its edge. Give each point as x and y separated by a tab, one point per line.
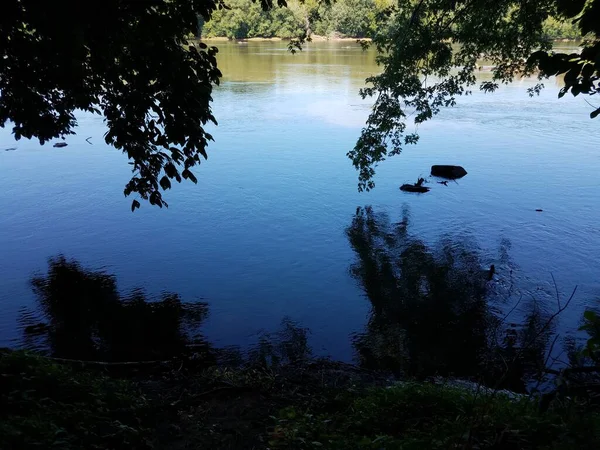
246	19
426	416
354	18
45	405
557	29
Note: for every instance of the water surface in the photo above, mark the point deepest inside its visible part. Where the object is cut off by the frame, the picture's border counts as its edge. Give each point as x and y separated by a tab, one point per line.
263	234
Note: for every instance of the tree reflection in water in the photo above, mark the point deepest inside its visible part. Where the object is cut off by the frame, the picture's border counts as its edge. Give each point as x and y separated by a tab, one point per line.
431	310
431	315
81	314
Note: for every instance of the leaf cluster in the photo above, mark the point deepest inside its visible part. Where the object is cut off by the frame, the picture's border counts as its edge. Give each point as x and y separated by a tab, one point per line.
430	54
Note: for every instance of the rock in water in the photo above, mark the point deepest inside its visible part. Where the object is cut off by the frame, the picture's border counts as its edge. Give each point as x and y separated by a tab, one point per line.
414	188
60	144
450	172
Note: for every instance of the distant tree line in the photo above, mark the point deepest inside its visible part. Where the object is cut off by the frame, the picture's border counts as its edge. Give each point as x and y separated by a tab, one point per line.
343	18
246	19
557	29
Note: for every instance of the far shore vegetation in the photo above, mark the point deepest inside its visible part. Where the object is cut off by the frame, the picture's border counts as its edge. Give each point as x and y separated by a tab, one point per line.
339	20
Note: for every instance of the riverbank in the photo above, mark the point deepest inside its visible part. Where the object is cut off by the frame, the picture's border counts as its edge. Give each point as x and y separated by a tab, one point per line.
314	38
316	404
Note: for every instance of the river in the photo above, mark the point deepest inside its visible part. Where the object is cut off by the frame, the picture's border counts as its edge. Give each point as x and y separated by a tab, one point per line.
262	236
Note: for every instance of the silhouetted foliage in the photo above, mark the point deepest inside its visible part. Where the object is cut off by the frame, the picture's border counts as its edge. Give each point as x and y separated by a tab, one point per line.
431	313
581	69
584	352
129	61
429	53
85	317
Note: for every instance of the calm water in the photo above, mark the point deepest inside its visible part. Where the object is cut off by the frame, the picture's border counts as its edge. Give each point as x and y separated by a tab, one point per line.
263	234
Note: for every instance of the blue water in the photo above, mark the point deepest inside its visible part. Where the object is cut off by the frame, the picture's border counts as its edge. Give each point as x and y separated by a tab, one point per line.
262	234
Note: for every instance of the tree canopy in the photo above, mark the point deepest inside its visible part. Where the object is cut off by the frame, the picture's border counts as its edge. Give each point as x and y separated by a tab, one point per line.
129	61
246	19
132	63
429	52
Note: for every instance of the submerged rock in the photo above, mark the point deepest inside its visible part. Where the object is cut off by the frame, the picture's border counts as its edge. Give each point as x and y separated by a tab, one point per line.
38	328
414	188
60	144
450	172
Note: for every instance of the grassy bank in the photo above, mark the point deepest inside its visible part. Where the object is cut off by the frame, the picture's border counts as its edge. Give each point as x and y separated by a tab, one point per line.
324	404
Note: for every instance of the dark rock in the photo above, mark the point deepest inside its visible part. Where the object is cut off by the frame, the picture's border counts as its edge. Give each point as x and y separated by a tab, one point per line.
36	329
10	149
450	172
60	144
539	210
414	188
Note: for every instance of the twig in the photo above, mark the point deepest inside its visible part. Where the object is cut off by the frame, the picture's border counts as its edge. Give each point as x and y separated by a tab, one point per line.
556	290
535	337
586	100
546	361
550	351
557	313
556	359
512	309
88	140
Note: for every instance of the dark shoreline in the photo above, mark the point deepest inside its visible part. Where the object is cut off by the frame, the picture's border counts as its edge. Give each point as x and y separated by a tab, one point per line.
316	404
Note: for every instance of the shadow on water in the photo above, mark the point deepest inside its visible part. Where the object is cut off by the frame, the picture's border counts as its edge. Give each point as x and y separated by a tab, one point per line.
80	314
433	309
433	314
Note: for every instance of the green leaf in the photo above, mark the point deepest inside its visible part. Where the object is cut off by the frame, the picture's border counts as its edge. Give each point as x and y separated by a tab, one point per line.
593	115
134	205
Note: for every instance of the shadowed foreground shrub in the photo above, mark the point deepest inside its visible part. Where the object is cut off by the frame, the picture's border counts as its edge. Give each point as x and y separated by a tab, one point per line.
46	405
427	416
